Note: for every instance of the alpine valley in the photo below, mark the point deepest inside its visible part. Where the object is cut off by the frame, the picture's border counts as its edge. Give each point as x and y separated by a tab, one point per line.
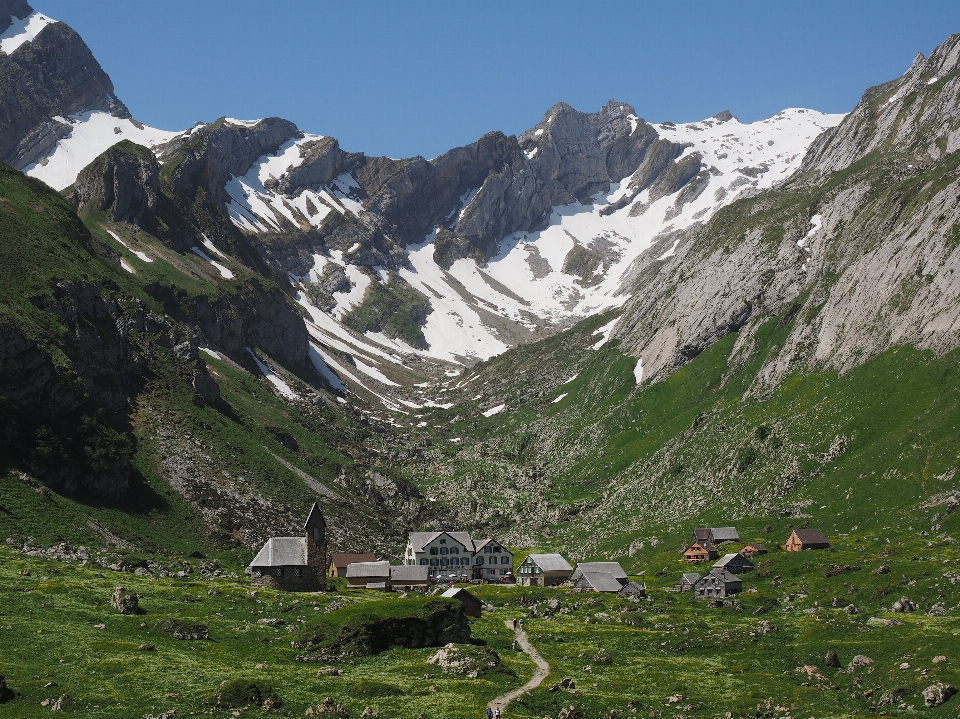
589	339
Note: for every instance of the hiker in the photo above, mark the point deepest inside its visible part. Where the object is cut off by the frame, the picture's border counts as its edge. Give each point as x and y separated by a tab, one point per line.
521	625
497	714
489	713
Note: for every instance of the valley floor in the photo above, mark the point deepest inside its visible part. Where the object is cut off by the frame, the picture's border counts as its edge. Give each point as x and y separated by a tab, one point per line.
671	656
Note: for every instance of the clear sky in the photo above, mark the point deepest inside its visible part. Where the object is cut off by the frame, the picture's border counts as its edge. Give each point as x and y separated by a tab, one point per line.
417	77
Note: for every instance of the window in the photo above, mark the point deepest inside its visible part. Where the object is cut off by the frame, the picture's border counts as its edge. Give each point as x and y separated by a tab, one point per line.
258	573
424	562
504	560
434	550
297	572
278	572
487	550
316	534
479	560
433	562
491	571
454	550
443	541
496	550
443	550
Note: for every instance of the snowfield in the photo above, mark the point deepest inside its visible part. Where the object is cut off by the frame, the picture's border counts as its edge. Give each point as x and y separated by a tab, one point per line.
23	31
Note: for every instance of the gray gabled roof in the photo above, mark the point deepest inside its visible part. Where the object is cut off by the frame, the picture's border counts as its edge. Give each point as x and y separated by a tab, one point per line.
368	569
810	536
690	577
633	588
550	562
462	594
282	552
601	581
725	534
409	573
420	539
722	574
733	559
613	568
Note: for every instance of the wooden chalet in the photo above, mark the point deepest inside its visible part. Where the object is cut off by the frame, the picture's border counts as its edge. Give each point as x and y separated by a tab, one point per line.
717	584
700	552
368	575
801	539
686	582
612	568
472	606
753	549
734	563
340	561
543	570
409	577
597	582
715	535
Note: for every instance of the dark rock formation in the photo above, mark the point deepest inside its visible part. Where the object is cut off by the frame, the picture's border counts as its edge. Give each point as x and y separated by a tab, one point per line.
124	182
323	160
53	75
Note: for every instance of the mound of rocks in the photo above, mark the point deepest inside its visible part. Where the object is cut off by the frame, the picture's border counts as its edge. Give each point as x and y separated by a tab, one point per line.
858	662
904	605
466	660
936	694
328	709
183	630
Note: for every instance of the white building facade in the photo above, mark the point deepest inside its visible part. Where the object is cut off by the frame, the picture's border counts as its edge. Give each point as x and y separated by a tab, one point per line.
457	556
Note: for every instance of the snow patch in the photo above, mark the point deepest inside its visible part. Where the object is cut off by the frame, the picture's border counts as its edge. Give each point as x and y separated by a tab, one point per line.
127	247
606	331
494	410
124	265
224	272
23	31
210	352
324	370
816	222
559	397
638	371
374	372
282	387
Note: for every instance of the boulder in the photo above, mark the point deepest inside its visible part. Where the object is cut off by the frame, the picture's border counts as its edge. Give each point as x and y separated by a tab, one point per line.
328	672
850	609
126	602
328	709
467	660
858	662
66	700
904	605
6	694
939	659
183	630
369	713
570	712
936	694
831	659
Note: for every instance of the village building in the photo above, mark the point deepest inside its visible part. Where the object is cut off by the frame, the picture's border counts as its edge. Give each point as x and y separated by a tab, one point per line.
632	589
294	564
456	556
801	539
597	582
686	582
543	570
717	584
612	568
472	606
339	562
715	535
734	563
753	549
700	552
408	578
368	575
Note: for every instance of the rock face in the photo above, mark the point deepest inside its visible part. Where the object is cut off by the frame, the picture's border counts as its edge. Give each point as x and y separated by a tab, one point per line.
864	260
53	75
124	183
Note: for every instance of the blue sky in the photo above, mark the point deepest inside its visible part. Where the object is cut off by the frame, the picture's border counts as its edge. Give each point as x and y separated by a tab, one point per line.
409	77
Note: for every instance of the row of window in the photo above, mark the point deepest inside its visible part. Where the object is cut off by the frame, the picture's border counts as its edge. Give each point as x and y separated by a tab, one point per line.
278	572
527	569
456	550
444	561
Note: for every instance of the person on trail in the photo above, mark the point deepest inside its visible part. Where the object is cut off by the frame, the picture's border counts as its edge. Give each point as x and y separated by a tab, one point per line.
489	713
521	625
497	713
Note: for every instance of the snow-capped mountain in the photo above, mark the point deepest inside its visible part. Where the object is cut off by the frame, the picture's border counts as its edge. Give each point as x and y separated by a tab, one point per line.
452	259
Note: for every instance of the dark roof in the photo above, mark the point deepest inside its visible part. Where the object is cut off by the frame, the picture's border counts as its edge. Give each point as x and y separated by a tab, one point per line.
690	577
810	536
282	552
462	595
479	544
315	514
409	573
756	546
341	560
702	534
368	569
632	588
613	568
725	534
734	559
721	574
601	581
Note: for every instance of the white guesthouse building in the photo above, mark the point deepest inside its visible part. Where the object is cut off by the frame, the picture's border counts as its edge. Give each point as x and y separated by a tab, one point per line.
456	554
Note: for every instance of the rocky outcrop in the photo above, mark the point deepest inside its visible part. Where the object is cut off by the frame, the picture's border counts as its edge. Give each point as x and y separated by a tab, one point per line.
54	75
323	160
124	183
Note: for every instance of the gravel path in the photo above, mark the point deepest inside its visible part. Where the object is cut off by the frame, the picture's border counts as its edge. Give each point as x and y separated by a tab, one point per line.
543	669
